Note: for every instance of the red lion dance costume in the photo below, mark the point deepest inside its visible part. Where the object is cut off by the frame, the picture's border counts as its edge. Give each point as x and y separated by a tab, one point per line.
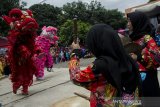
22	48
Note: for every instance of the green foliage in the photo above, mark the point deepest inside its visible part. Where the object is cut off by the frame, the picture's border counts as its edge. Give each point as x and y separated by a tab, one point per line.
151	1
78	9
5	7
87	14
83	28
46	14
114	18
94	13
66	31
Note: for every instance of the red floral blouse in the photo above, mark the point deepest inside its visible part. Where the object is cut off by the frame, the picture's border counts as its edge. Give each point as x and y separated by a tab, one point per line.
150	48
102	94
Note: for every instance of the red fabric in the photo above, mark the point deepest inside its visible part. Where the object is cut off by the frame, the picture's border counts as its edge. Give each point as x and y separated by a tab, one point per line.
102	93
20	56
24	84
85	75
55	38
22	64
95	83
21	50
28	24
29	12
141	67
150	45
7	19
12	35
15	14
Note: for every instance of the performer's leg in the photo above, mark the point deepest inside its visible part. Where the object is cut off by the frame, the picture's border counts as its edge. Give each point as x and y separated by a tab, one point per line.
16	86
25	86
25	90
40	75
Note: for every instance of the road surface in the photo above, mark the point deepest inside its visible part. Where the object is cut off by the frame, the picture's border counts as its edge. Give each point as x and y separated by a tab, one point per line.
56	90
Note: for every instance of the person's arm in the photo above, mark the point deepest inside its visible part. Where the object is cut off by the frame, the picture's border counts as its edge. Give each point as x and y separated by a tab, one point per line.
79	77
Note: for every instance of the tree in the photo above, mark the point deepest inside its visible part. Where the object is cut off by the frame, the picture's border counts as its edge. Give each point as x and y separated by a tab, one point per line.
86	13
78	9
152	1
83	28
66	31
112	17
46	15
115	18
5	7
94	13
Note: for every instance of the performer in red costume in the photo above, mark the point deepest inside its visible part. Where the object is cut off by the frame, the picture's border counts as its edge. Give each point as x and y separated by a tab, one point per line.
22	49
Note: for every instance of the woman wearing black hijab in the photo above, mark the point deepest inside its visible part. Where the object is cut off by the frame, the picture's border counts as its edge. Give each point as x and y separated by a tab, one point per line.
112	74
141	33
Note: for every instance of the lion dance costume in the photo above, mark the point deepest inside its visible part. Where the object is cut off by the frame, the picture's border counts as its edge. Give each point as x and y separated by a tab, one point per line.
22	48
43	42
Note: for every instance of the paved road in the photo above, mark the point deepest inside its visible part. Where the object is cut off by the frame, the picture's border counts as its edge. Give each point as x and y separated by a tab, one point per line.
55	89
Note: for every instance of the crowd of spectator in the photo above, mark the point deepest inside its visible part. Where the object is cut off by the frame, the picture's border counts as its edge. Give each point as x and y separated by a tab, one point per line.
62	54
59	54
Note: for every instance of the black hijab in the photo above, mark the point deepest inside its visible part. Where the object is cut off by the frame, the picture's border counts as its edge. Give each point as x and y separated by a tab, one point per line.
112	61
141	25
